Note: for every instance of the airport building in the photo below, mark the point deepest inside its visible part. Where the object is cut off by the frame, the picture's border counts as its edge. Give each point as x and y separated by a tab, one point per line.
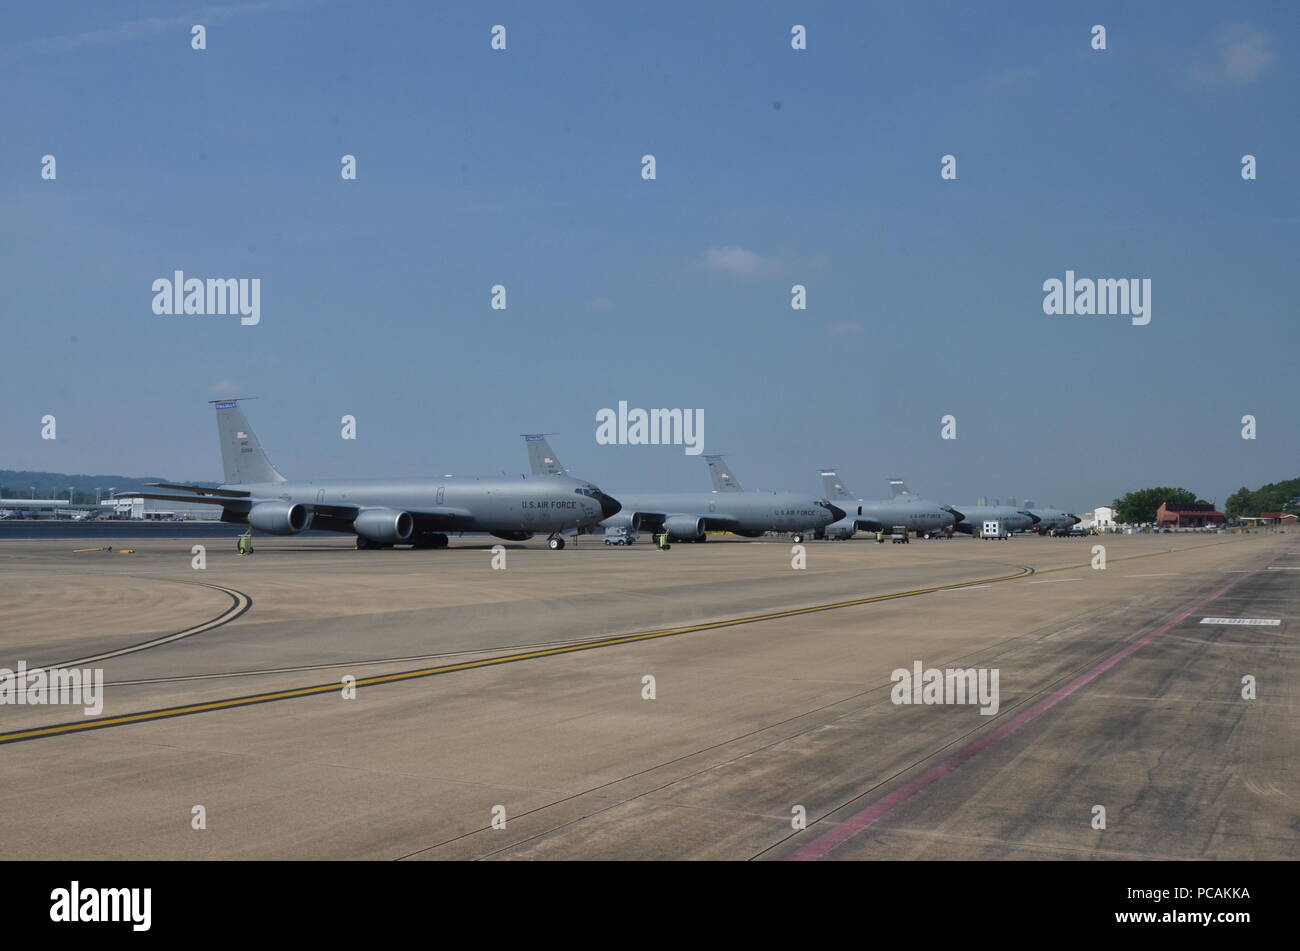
1272	519
1102	519
156	509
1188	515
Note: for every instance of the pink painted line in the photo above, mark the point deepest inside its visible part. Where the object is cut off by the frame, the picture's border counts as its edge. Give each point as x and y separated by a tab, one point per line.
824	844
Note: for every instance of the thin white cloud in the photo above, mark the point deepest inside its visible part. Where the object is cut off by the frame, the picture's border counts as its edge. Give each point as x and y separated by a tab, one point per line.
205	14
226	388
1242	53
737	261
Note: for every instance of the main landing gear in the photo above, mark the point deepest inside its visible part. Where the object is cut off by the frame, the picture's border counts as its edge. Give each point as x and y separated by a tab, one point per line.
555	542
429	540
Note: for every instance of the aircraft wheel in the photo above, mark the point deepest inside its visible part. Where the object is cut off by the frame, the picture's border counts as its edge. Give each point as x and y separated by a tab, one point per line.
555	544
797	538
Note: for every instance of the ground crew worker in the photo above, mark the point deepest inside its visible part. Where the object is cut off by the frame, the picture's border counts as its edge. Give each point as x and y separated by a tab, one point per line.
246	543
663	541
880	538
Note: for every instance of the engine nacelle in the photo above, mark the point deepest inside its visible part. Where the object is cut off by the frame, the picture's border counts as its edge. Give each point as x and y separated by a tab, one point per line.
279	518
387	526
684	526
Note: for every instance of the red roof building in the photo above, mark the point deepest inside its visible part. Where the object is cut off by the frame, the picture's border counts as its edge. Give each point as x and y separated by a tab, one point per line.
1188	515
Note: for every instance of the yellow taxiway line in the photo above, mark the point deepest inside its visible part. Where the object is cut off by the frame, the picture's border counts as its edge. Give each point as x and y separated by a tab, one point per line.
147	716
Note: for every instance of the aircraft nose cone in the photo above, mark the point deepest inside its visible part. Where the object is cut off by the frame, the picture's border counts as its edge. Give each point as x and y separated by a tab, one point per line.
609	506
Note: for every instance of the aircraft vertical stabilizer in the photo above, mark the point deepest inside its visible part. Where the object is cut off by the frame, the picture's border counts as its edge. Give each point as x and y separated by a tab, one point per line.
899	487
723	480
832	486
242	455
541	457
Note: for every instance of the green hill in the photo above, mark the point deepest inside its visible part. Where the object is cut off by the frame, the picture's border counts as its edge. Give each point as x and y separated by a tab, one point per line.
18	483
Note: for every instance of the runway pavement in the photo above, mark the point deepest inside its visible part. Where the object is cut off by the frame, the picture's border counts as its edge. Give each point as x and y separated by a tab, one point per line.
519	693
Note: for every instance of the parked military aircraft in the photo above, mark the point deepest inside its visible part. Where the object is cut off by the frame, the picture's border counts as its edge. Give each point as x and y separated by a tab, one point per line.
1012	519
1054	521
688	516
381	512
919	515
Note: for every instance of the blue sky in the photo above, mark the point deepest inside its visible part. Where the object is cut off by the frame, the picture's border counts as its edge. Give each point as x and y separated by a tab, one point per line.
522	167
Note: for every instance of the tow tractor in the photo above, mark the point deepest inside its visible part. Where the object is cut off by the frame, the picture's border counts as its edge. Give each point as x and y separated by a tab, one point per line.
898	535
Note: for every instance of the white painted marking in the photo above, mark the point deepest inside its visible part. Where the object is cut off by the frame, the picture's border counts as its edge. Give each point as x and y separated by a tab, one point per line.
1168	574
1276	568
1256	621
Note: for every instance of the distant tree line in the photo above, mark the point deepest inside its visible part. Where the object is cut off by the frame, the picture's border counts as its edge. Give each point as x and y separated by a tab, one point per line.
18	484
1140	506
1274	497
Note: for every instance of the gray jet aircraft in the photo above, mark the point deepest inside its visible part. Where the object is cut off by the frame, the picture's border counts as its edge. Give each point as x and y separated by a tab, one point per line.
418	512
1012	519
687	516
1054	521
918	514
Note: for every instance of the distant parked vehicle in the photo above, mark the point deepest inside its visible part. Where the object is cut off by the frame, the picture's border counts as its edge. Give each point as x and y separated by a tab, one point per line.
619	536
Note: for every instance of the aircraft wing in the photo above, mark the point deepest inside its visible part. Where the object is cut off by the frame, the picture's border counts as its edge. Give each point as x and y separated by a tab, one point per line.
712	520
202	490
443	518
435	518
189	499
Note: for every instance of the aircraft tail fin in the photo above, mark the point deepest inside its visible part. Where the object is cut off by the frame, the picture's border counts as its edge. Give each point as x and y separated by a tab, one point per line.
242	455
541	457
899	487
832	486
723	480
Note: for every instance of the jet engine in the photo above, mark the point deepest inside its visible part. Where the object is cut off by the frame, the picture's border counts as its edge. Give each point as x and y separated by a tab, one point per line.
386	526
684	526
279	518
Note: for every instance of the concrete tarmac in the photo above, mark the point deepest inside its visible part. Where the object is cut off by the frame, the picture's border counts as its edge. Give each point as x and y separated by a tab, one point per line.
519	694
